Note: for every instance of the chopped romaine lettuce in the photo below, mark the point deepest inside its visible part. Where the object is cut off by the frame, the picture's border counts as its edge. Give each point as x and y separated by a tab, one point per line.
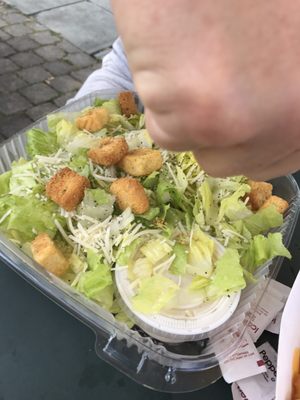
263	249
65	132
40	142
81	141
54	118
22	179
151	181
93	260
28	217
200	256
154	294
182	181
263	220
112	106
209	208
228	276
4	182
125	319
98	277
199	282
98	102
105	297
138	139
91	283
178	266
116	120
79	163
187	160
149	215
155	250
167	193
232	207
97	204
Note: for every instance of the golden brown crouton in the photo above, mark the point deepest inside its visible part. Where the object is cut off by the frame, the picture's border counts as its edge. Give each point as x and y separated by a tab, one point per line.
260	192
130	193
127	103
66	188
48	255
93	120
140	162
109	151
280	204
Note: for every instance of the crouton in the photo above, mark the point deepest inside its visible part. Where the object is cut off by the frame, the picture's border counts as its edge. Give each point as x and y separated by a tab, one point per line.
127	103
140	162
109	151
260	192
48	255
93	120
66	188
280	204
130	193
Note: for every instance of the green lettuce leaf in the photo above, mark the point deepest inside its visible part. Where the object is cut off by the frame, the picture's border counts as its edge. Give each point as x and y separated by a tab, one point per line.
178	266
22	179
155	250
94	260
81	141
151	181
200	254
125	319
207	202
79	163
54	118
263	220
228	276
154	294
128	254
65	131
112	106
262	249
105	297
233	207
98	102
91	283
166	193
96	283
40	142
182	181
199	282
186	160
4	182
149	215
116	120
28	217
138	139
97	204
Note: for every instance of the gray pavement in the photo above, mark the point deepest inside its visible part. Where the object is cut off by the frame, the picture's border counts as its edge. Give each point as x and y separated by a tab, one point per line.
40	69
88	24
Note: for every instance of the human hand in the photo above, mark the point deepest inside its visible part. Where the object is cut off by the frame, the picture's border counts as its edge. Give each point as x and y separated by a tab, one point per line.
220	79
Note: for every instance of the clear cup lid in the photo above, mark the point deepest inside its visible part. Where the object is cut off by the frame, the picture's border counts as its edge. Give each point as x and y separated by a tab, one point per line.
187	317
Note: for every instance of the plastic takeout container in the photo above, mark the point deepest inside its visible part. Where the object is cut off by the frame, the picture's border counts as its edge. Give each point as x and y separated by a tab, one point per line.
158	365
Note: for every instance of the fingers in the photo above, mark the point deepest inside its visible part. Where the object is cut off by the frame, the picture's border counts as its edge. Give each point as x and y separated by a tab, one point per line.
251	161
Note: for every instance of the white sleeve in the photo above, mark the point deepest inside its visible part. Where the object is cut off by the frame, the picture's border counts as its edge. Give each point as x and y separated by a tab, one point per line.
114	74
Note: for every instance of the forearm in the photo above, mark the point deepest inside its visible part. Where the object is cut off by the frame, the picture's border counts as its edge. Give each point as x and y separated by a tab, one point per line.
114	74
